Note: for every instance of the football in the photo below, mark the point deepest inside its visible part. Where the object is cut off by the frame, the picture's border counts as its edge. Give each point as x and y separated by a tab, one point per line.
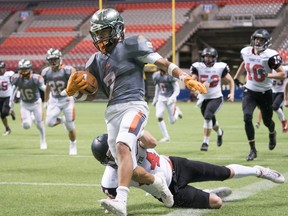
92	83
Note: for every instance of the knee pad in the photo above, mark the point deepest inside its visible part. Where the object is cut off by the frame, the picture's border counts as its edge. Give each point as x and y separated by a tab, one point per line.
26	125
160	119
70	125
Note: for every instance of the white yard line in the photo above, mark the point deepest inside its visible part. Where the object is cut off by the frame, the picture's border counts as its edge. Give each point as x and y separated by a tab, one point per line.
50	184
241	193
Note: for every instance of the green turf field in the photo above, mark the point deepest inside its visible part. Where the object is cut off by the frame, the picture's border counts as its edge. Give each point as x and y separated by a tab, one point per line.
50	182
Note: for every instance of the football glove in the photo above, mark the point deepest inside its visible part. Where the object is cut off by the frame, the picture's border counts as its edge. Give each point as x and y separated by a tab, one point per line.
171	100
238	83
262	72
76	82
194	85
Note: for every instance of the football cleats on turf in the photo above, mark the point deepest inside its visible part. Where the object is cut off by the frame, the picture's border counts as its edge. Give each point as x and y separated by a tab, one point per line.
206	55
261	45
24	68
107	29
54	58
2	67
100	150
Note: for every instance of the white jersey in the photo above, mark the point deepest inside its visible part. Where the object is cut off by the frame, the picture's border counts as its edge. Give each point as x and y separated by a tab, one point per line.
6	84
256	82
212	75
151	161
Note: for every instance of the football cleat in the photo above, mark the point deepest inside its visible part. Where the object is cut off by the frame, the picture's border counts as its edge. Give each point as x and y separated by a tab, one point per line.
43	146
204	147
252	155
165	194
180	114
73	149
272	140
271	175
7	132
116	207
164	139
222	192
219	139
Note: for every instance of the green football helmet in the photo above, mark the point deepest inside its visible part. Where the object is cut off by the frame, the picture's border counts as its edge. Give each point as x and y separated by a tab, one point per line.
54	58
107	29
25	68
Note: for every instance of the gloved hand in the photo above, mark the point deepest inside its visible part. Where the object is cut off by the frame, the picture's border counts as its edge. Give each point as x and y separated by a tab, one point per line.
262	72
76	82
192	84
171	100
238	83
154	101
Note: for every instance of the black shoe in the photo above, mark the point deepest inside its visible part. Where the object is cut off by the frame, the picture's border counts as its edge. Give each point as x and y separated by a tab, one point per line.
272	140
219	139
252	155
204	147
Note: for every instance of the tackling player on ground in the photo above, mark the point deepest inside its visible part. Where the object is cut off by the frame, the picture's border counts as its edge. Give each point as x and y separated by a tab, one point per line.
179	173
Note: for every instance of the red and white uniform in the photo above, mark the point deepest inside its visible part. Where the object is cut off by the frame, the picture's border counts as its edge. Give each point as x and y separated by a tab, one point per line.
256	82
212	75
151	161
6	84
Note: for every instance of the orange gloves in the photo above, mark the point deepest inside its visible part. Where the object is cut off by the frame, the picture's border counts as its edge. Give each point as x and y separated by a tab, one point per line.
193	85
75	83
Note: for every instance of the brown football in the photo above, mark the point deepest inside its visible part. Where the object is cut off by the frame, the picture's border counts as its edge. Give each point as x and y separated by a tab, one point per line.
92	83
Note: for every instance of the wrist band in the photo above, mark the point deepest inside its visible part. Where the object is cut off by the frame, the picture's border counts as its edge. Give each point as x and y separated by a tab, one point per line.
171	67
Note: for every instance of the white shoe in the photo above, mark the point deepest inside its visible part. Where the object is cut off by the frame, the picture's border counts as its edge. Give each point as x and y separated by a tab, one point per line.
73	149
271	175
7	132
222	192
165	193
164	139
114	206
43	146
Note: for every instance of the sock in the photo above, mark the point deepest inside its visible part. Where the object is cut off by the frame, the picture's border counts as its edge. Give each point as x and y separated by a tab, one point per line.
122	193
163	129
243	171
252	145
206	140
219	132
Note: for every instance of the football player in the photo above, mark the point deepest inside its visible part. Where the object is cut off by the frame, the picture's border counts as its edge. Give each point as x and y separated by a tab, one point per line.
5	93
56	77
179	173
118	68
165	96
259	61
211	72
29	84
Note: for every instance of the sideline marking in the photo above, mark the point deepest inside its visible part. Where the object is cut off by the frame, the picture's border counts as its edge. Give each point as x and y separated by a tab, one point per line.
49	184
238	194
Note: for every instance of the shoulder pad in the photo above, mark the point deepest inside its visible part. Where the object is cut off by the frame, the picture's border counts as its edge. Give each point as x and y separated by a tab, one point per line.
90	61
